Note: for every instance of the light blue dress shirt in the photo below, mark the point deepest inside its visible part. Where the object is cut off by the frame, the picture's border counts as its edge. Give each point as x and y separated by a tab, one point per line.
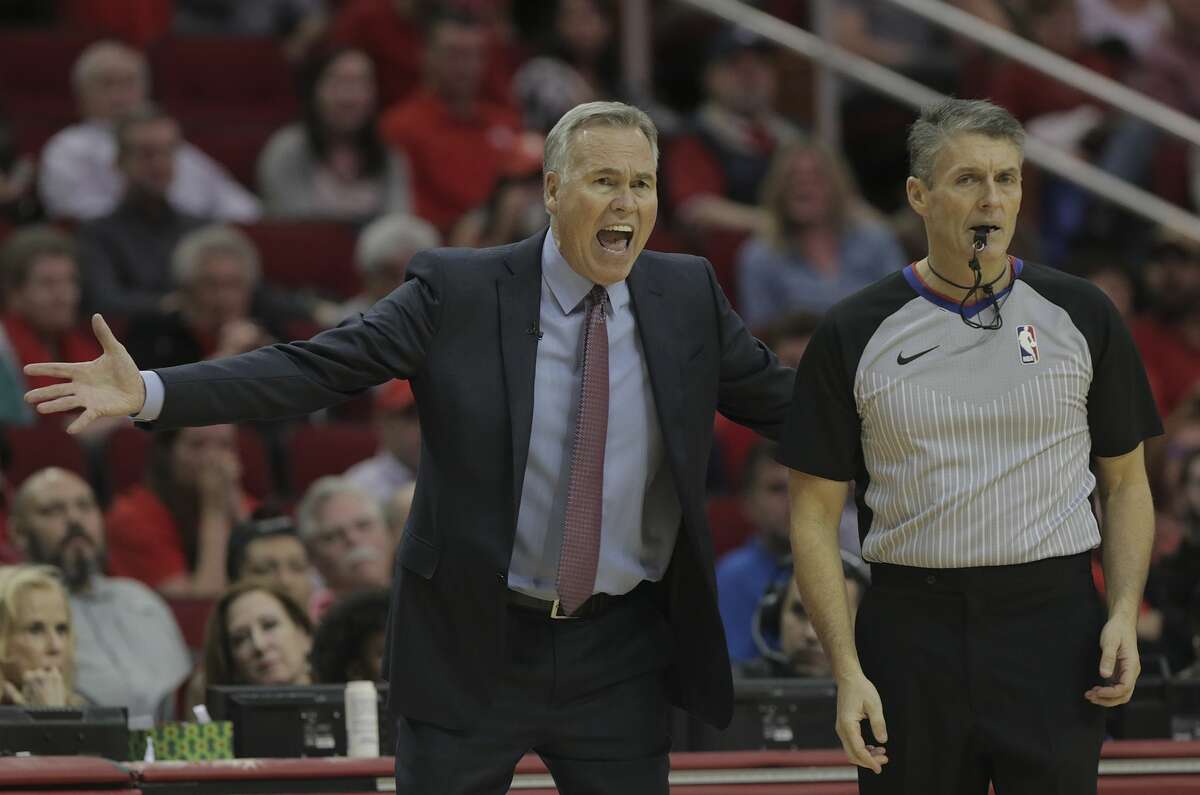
641	512
641	509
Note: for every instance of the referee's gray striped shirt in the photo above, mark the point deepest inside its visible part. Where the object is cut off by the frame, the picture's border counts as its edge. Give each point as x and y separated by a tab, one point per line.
970	447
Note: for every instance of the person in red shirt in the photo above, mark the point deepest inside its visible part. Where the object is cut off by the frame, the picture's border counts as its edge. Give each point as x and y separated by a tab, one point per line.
1168	336
41	302
455	140
172	532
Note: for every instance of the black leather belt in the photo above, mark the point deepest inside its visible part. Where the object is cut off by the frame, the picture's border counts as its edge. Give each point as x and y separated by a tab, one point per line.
594	606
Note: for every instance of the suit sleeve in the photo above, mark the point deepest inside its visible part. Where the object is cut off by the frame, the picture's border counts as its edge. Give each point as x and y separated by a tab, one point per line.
754	387
390	340
822	436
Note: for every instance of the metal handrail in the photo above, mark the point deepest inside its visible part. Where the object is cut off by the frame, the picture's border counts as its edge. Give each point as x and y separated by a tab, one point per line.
896	85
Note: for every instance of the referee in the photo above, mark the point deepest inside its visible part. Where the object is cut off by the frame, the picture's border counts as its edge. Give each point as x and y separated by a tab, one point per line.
966	397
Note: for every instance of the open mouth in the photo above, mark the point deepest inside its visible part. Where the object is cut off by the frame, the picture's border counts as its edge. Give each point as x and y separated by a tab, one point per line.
615	238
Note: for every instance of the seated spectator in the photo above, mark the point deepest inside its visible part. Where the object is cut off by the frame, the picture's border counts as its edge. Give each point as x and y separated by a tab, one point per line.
37	646
455	140
347	539
257	635
714	173
745	573
1168	333
215	273
126	254
78	179
788	336
516	208
128	649
399	427
172	532
781	614
41	303
332	164
350	639
270	549
1108	269
1136	25
382	253
1172	578
823	242
579	64
18	192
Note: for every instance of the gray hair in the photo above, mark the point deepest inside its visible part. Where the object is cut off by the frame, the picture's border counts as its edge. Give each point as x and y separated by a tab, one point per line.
391	234
93	59
938	123
321	490
589	114
198	246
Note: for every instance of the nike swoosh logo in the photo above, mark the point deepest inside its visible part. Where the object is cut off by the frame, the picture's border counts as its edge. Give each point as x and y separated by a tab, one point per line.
902	359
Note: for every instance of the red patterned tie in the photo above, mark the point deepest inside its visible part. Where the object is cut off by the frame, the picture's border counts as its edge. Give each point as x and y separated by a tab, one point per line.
585	490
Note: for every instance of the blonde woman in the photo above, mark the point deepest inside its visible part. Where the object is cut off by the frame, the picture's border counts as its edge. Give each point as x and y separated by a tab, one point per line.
37	644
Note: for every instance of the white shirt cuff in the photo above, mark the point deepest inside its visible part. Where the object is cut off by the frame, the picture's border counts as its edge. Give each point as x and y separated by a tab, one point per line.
155	392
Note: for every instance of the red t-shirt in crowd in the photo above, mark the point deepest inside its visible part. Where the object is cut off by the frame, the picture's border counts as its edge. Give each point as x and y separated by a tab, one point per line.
1172	366
454	161
76	345
143	538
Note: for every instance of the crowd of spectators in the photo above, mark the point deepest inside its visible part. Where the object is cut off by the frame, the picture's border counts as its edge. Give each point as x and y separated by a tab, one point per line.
206	228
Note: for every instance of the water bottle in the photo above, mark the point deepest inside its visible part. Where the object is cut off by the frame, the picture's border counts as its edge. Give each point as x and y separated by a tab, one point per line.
362	719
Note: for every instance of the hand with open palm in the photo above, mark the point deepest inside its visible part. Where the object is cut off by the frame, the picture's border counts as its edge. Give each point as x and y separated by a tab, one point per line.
109	386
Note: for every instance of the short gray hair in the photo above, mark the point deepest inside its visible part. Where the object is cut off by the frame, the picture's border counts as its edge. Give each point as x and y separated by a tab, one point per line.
611	114
321	490
92	60
198	246
390	234
938	123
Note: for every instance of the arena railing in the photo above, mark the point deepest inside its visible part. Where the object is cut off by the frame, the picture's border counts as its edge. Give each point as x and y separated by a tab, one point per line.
899	87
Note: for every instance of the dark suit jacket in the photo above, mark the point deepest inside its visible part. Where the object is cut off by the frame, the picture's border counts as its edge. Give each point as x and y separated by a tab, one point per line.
459	329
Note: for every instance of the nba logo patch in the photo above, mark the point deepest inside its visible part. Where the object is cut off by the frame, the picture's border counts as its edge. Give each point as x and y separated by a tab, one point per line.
1027	344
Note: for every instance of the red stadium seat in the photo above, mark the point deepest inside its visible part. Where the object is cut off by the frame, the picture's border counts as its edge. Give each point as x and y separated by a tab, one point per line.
191	615
313	254
318	450
42	445
35	73
128	449
236	79
235	146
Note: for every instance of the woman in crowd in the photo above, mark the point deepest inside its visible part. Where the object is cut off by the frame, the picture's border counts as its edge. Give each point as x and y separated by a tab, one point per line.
332	164
257	635
824	242
172	532
37	647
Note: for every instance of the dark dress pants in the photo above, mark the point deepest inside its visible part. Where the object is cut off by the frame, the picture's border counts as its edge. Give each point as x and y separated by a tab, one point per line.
982	673
587	695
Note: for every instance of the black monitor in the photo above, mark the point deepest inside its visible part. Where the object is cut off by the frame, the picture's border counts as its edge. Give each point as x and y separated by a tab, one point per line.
291	720
774	714
65	731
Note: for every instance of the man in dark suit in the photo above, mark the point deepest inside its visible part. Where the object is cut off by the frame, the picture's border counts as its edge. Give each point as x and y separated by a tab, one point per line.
554	587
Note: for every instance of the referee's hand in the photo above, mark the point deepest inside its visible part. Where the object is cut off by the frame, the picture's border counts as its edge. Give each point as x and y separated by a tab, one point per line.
858	700
1119	663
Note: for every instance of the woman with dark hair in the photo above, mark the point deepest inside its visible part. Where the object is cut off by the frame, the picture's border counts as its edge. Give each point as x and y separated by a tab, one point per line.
172	532
350	638
332	164
257	635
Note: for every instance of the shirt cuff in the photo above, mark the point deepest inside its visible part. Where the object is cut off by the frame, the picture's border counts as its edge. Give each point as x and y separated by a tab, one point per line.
155	392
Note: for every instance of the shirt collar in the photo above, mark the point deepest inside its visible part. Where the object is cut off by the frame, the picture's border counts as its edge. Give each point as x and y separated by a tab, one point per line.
570	288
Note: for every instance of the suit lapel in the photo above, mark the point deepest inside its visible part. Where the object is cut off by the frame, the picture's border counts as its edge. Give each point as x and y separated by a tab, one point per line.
657	330
520	294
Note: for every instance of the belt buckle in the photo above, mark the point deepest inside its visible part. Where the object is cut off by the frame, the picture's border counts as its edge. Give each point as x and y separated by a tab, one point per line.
557	615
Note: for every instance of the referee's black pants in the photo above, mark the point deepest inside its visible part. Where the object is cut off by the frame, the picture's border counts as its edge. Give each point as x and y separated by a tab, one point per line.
982	673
